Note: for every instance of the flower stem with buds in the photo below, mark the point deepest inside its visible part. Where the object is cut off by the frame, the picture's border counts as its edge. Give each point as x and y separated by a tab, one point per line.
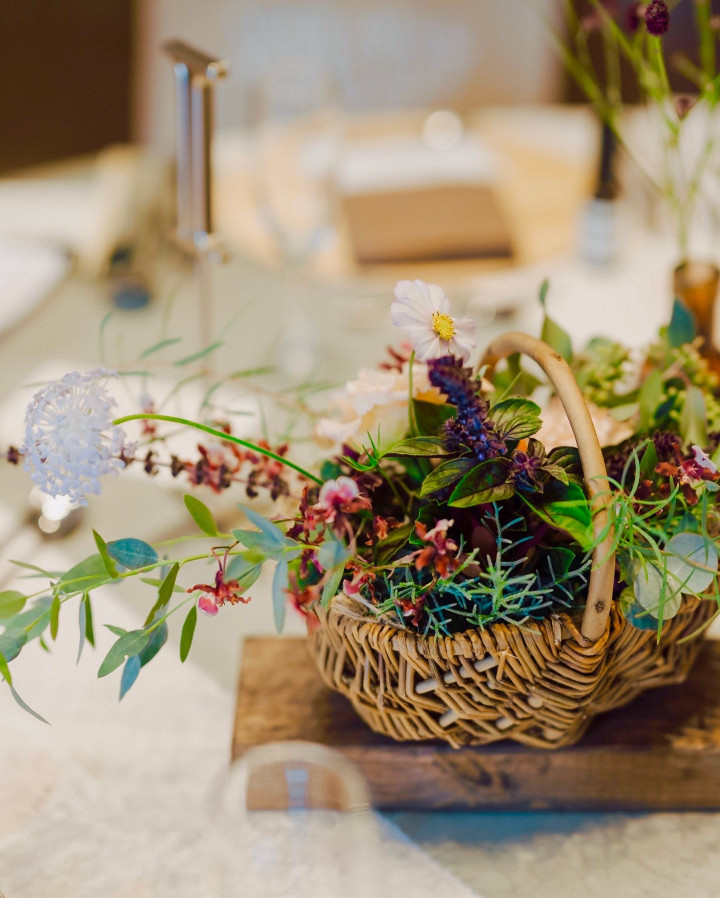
221	435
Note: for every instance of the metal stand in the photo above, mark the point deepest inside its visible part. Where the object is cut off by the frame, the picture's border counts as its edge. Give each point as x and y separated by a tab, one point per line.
196	74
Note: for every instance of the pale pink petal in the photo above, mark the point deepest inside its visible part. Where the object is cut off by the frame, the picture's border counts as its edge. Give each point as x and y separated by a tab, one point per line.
207	604
437	295
405	314
703	459
431	347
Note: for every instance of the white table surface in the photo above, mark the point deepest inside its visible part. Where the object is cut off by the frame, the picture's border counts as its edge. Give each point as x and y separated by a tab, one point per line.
173	728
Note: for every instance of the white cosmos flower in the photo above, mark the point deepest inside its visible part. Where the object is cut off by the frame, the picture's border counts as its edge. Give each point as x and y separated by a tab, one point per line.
423	311
70	440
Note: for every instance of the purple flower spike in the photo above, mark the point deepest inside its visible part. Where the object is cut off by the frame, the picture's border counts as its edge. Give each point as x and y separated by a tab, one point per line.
657	17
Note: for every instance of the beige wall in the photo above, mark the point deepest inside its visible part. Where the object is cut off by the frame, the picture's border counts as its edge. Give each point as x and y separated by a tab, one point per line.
383	52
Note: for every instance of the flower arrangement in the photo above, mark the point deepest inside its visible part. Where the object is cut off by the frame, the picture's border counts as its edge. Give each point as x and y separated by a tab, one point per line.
679	163
448	506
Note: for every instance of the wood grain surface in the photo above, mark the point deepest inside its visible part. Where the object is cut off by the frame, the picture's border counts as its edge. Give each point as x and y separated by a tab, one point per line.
662	752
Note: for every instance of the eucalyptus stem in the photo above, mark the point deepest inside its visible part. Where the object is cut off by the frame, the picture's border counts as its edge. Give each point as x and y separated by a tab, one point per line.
221	435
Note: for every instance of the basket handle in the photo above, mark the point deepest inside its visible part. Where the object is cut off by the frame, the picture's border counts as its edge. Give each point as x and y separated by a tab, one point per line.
557	370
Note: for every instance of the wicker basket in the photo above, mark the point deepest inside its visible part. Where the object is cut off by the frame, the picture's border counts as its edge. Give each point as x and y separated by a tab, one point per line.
541	683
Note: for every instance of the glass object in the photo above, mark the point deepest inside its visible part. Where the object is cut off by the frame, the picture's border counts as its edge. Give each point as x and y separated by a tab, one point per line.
293	114
293	818
696	284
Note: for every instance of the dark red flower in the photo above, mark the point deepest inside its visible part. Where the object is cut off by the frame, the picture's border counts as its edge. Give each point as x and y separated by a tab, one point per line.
657	17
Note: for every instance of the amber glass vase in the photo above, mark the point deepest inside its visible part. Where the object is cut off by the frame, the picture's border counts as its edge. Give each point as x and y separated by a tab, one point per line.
696	284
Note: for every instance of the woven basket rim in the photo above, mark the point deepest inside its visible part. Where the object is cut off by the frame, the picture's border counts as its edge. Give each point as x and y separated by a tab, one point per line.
555	627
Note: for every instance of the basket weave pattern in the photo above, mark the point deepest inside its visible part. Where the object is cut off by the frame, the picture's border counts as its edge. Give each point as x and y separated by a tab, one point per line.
540	684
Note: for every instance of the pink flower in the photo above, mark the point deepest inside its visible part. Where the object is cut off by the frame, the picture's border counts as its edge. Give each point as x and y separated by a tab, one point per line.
208	605
704	460
336	493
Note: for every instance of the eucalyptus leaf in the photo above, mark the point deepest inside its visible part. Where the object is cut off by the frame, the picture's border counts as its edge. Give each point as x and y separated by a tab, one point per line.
165	591
132	553
54	617
201	514
686	553
5	670
130	643
332	585
655	593
107	561
188	631
11	603
279	596
129	674
25	706
84	576
333	554
11	645
243	570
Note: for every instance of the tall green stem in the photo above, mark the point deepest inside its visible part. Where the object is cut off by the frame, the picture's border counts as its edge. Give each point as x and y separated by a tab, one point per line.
221	436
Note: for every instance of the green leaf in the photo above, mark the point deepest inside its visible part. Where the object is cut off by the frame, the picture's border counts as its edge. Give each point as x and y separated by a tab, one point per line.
201	514
543	292
129	674
333	554
649	461
156	347
188	631
515	418
165	591
425	447
5	670
25	706
446	474
89	630
556	471
279	597
569	513
682	327
693	420
105	555
132	553
387	548
11	645
430	416
199	355
649	398
245	571
118	631
32	621
485	483
332	585
11	603
82	626
54	617
157	641
130	643
84	576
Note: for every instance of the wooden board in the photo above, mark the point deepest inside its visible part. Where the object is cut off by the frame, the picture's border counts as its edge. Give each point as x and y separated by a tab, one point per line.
660	753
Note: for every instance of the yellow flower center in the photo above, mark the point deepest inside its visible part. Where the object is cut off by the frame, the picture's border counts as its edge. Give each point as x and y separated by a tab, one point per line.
443	325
